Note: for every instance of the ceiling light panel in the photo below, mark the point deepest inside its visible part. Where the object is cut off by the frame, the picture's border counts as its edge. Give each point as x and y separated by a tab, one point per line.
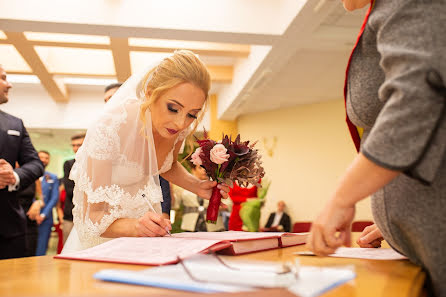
23	78
162	43
11	60
67	38
220	61
200	47
140	61
89	81
61	60
183	44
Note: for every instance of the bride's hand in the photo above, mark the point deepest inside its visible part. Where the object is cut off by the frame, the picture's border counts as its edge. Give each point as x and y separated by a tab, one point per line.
151	225
370	237
205	189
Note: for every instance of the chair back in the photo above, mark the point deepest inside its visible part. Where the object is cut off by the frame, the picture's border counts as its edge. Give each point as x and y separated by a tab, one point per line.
359	226
299	227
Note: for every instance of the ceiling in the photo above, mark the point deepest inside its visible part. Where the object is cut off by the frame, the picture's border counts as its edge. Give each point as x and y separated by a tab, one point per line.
305	65
262	54
57	60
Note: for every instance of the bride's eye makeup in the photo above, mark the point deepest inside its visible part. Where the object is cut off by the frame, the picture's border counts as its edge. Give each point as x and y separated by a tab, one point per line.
192	116
171	108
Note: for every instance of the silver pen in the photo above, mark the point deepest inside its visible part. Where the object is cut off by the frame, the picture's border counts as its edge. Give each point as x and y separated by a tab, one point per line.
153	209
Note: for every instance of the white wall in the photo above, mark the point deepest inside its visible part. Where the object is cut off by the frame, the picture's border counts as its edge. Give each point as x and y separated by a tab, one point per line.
313	150
34	106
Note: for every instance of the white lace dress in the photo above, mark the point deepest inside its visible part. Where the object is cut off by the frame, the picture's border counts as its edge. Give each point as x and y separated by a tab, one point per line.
109	186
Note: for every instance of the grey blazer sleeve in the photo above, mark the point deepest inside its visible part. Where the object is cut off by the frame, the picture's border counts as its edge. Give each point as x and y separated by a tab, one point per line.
410	132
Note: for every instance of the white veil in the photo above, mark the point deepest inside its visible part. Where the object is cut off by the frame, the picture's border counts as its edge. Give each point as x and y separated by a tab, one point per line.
116	170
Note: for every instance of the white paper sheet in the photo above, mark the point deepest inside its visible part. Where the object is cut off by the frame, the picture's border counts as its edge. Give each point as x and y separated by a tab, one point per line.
362	253
314	281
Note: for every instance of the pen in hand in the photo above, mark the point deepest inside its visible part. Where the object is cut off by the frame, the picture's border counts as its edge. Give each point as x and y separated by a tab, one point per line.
153	209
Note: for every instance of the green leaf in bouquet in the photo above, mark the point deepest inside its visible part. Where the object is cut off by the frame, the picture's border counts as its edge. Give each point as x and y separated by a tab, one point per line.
250	214
263	190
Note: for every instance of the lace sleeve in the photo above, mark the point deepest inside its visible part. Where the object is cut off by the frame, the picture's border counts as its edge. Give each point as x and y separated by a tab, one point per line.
104	141
113	175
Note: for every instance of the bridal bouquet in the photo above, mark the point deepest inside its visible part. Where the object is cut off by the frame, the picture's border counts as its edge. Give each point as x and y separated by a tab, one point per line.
227	161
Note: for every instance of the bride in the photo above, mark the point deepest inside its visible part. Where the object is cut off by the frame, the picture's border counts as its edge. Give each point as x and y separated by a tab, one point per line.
136	138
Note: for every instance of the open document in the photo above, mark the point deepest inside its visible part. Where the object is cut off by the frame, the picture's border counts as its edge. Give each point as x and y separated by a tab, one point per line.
170	249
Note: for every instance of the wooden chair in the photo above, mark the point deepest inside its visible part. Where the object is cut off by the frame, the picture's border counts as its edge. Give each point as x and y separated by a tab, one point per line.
359	226
301	227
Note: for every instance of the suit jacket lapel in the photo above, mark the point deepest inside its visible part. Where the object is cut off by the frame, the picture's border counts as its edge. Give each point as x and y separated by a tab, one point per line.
3	131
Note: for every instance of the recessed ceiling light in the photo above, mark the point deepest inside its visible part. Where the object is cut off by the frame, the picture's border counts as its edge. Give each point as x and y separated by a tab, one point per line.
70	38
88	81
23	78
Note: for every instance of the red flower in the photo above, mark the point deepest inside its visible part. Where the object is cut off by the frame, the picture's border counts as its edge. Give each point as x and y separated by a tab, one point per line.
243	164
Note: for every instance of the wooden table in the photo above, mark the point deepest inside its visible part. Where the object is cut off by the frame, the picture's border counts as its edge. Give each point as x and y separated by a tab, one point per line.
37	276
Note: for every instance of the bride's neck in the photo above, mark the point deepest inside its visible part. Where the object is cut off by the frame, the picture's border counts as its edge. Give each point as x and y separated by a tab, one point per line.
160	142
158	139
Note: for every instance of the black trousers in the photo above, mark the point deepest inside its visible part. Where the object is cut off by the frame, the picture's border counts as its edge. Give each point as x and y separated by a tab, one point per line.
32	234
14	247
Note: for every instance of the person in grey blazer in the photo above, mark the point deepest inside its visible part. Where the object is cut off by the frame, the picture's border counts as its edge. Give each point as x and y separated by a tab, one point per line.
15	146
396	95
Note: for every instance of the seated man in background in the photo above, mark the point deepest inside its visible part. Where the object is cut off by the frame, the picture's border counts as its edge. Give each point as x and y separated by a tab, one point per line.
278	221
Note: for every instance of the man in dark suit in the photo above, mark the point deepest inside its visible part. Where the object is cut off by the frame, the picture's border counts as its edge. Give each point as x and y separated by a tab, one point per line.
15	146
67	225
278	221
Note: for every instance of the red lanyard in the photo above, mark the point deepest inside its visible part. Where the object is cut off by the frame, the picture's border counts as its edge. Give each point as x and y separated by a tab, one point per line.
351	127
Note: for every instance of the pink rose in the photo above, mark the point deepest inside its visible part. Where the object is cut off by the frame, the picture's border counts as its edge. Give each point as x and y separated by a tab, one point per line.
218	154
196	160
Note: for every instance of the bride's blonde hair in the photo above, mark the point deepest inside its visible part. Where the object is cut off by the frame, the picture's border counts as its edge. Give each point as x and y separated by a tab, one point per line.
182	67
